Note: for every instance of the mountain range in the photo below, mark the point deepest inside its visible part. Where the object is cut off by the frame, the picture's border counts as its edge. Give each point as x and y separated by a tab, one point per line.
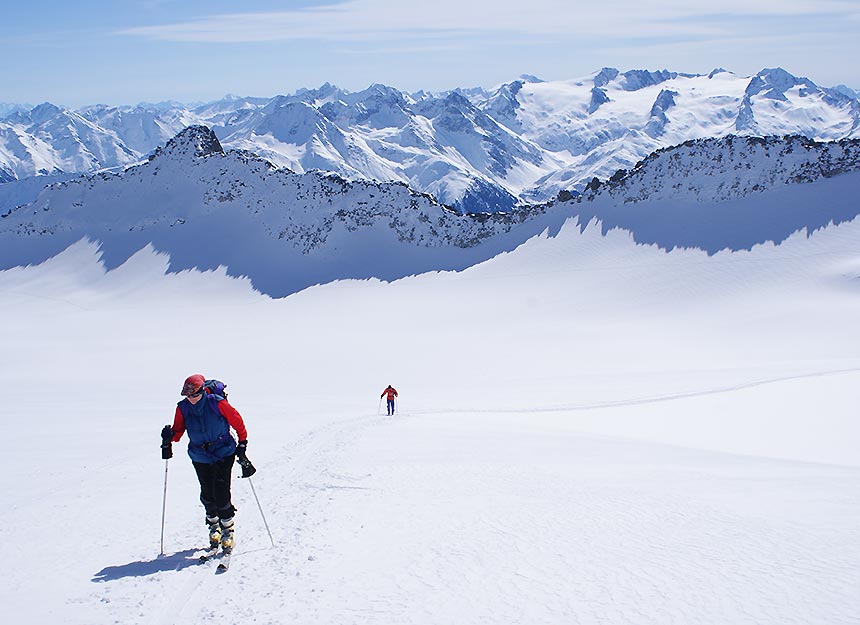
207	207
474	150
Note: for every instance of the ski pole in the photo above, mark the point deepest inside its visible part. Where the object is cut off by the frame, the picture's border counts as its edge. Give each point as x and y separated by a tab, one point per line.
261	511
379	407
164	506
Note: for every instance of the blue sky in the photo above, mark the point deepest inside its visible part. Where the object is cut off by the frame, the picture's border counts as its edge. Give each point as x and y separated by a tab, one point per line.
128	51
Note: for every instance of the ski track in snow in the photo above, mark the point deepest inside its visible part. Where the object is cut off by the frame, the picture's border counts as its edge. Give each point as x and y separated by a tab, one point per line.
628	541
647	400
301	470
415	520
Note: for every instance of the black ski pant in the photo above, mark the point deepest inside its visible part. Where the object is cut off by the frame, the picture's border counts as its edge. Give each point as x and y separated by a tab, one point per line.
214	481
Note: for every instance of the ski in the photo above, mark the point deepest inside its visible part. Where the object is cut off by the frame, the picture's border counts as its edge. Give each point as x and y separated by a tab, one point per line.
224	563
208	554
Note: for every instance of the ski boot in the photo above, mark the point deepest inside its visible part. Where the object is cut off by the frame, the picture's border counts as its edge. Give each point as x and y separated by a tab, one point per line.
227	535
226	545
215	533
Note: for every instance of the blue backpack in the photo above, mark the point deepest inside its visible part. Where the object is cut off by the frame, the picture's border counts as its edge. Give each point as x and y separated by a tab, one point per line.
215	387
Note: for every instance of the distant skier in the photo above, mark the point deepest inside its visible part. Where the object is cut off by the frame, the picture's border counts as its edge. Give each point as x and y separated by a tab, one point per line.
208	418
392	393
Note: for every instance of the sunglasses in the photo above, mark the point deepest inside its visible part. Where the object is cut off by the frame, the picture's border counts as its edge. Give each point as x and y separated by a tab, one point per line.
190	390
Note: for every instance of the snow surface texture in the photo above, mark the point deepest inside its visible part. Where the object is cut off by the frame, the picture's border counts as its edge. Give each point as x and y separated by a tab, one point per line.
589	431
475	150
287	231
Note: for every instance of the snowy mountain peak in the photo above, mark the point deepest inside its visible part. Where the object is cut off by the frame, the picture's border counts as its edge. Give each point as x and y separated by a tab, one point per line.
773	83
44	112
632	80
379	107
453	113
637	79
503	104
528	139
847	91
605	76
296	123
327	92
10	108
197	141
458	101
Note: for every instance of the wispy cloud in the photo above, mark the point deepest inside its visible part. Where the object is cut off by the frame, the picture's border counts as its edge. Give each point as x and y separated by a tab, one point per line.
360	19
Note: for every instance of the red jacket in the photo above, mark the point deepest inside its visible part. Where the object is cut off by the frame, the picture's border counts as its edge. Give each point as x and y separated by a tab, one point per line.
392	393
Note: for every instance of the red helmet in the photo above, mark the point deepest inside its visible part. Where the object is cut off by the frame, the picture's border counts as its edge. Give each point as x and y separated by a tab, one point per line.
193	385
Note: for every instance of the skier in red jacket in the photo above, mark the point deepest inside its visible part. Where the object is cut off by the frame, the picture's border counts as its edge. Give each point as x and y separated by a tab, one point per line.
207	419
392	393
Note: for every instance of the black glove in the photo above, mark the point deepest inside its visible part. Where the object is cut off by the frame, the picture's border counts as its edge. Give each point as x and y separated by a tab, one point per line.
167	443
247	468
241	447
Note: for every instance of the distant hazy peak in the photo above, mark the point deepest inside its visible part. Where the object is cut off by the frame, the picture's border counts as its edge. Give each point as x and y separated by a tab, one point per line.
774	82
605	76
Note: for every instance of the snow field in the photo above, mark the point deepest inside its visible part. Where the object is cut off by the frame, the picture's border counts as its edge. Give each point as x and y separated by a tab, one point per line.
589	431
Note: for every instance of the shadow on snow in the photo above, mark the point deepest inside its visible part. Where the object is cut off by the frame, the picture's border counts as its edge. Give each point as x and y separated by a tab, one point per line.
141	568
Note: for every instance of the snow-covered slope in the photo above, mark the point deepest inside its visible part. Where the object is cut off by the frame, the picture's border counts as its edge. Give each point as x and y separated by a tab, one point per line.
472	149
729	193
48	140
611	120
143	127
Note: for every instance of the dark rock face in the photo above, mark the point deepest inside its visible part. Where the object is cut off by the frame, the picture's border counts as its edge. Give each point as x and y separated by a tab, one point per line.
605	76
657	124
198	141
598	97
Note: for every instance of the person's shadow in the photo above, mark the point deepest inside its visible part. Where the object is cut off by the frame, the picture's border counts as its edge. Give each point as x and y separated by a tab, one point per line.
169	562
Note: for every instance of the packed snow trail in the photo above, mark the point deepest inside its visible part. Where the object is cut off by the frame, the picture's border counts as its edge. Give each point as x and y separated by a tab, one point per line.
499	518
297	471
